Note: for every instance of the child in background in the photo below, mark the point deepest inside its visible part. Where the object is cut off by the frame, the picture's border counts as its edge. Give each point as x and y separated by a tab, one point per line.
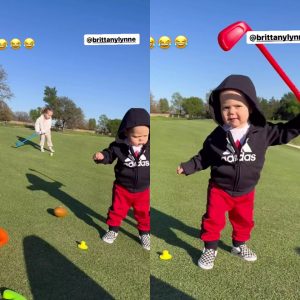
132	172
43	128
235	152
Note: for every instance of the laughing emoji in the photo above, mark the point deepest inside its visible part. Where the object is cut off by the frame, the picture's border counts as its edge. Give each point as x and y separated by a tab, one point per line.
152	42
164	42
3	44
15	44
29	43
181	41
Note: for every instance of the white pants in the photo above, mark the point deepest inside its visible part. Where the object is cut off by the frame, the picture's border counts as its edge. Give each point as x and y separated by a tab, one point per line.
46	136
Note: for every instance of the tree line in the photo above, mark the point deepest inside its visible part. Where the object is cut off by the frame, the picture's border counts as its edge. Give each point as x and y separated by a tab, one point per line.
65	112
285	108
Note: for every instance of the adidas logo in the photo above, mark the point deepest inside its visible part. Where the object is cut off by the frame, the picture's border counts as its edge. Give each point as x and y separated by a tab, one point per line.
226	152
143	157
246	147
245	155
131	163
143	162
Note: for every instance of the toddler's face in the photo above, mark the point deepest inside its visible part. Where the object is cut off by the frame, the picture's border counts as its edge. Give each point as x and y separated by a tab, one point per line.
138	135
235	109
48	114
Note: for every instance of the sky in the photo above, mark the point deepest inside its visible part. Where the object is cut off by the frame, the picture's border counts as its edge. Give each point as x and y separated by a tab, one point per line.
99	79
202	65
111	79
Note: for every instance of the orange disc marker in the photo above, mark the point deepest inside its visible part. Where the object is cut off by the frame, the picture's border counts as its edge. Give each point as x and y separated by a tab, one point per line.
60	211
4	238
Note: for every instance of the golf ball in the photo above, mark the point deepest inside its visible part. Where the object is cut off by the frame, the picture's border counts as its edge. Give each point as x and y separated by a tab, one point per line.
51	154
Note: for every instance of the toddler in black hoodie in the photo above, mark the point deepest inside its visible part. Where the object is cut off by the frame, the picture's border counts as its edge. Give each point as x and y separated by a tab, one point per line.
235	152
132	172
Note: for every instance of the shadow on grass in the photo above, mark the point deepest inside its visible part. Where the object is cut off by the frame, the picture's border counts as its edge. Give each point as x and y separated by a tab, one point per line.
81	211
53	276
162	290
297	249
29	143
224	246
162	225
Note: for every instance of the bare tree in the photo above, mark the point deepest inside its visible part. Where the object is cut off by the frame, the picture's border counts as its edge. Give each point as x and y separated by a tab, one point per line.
153	104
5	92
5	112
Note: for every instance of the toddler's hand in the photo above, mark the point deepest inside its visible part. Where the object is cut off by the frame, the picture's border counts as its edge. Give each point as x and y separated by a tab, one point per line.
98	156
180	170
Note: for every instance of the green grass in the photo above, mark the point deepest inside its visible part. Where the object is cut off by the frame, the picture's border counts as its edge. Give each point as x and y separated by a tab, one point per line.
178	203
41	260
296	141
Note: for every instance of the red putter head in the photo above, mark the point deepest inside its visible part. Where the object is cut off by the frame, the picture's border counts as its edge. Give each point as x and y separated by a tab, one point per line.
230	35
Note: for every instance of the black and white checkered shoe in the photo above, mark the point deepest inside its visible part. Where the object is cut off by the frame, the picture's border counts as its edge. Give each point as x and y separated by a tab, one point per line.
145	241
244	252
110	236
206	261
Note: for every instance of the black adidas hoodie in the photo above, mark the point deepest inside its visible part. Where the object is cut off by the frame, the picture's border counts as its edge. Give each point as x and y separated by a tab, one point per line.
238	171
131	172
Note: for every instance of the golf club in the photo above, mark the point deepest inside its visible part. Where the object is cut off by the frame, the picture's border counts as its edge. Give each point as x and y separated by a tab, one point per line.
230	35
33	170
20	143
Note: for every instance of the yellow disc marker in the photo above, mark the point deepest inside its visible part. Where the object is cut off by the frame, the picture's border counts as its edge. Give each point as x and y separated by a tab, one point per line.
83	245
165	255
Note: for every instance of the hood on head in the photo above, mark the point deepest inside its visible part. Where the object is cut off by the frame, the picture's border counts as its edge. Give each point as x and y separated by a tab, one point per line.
241	84
133	117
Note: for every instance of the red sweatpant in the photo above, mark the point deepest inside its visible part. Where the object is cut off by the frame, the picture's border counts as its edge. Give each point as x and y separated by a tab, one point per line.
121	203
240	212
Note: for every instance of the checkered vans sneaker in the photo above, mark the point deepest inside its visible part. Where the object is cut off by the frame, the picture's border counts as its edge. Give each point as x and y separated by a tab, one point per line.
110	236
145	241
206	261
244	252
